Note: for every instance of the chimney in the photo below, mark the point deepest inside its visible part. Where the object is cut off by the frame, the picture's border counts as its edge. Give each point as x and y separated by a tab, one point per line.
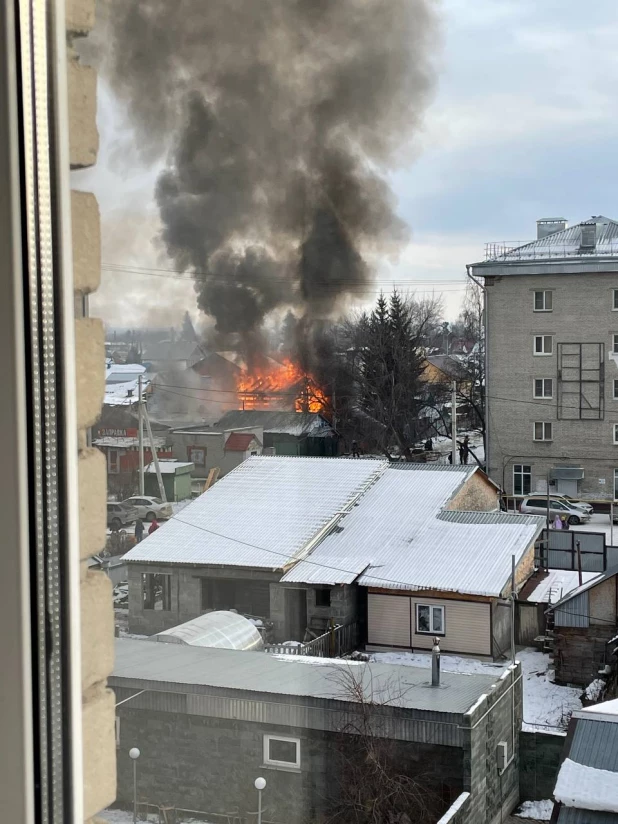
548	225
588	240
435	663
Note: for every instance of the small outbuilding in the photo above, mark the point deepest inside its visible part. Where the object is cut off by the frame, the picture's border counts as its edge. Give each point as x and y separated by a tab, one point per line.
176	477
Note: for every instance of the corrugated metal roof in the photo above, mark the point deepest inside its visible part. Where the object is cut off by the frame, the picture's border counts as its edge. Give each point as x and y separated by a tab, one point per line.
240	441
193	667
262	514
169	467
412	545
338	571
602	576
595	744
569	815
299	424
567	242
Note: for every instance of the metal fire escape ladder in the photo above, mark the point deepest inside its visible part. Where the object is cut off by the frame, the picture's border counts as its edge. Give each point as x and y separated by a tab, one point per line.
581	381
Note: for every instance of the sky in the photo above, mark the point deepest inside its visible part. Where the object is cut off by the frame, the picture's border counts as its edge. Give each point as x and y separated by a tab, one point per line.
523	125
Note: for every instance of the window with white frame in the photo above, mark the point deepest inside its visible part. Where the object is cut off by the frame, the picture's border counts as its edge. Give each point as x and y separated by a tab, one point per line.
543	431
615	300
429	619
616	484
543	344
616	433
522	479
615	344
616	389
543	301
543	387
281	751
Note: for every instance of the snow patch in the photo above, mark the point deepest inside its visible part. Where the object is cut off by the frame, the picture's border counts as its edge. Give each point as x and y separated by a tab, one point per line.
595	689
587	788
539	810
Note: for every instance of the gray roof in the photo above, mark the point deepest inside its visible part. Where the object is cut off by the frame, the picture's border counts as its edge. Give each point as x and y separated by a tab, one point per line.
400	526
171	667
299	424
262	514
449	365
562	249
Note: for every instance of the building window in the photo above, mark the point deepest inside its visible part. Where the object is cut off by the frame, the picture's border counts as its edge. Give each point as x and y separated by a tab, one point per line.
615	344
543	388
322	597
615	300
522	479
112	461
543	301
117	732
543	344
281	752
615	389
616	433
157	591
543	431
616	484
429	619
197	455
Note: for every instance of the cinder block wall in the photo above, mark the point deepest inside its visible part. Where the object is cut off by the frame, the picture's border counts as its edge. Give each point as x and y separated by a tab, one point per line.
97	622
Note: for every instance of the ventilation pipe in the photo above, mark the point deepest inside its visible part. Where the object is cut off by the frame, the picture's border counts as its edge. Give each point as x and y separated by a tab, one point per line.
435	663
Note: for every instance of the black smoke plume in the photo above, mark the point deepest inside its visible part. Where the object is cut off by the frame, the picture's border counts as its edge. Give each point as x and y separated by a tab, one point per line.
280	120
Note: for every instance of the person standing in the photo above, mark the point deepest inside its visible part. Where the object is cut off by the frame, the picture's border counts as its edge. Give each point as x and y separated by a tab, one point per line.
139	530
465	450
153	526
355	451
557	522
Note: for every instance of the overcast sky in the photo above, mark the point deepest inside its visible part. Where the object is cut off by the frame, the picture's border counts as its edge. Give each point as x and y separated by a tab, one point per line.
523	125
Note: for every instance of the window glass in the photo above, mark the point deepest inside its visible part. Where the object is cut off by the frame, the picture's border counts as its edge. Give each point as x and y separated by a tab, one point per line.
522	479
429	619
156	591
615	383
615	484
543	301
615	295
282	751
322	597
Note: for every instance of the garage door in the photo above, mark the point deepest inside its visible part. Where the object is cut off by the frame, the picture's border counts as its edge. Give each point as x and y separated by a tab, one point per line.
388	619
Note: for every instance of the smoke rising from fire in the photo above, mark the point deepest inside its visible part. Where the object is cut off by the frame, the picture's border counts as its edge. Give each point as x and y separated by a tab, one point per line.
280	120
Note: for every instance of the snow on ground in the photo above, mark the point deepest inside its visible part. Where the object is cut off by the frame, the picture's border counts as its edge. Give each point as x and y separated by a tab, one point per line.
547	706
600	523
538	810
595	689
178	506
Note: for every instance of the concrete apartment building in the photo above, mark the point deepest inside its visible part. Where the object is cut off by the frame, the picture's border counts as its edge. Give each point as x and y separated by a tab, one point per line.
552	359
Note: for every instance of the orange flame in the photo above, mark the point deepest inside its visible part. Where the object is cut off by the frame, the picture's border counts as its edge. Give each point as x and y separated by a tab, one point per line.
280	386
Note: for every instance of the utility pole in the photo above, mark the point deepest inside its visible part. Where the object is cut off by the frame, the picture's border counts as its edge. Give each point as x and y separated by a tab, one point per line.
155	458
513	608
140	435
454	422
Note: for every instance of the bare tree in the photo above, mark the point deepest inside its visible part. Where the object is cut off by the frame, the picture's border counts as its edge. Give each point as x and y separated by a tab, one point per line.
376	784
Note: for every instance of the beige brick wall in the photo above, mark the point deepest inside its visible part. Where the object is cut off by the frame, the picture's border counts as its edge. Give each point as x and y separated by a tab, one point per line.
97	621
476	495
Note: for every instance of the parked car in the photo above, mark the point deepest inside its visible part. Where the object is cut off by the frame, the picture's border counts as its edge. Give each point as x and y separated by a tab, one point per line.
538	506
573	502
120	514
149	508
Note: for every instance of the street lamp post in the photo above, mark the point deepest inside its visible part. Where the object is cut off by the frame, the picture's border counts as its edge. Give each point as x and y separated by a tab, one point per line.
134	754
259	784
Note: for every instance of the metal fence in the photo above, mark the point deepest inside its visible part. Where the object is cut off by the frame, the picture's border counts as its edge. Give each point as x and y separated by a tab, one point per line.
562	551
336	642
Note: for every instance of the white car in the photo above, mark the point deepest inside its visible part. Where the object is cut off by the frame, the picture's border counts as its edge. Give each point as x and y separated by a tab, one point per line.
537	505
150	508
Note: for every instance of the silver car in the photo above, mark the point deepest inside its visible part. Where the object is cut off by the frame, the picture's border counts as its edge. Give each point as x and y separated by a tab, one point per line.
120	514
537	505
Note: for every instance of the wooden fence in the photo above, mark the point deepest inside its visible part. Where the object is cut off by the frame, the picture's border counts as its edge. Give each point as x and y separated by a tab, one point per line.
336	642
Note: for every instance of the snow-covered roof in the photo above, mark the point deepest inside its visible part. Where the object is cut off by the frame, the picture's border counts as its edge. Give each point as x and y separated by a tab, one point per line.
169	467
557	583
586	585
587	788
608	710
128	442
299	424
122	383
399	524
262	514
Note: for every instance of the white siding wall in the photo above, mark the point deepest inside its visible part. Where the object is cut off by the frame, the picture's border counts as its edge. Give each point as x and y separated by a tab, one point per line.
389	620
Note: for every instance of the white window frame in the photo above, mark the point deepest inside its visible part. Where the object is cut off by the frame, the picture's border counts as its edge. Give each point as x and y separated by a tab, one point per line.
543	396
518	470
616	433
544	424
543	339
543	292
615	394
615	484
285	765
615	343
431	630
614	300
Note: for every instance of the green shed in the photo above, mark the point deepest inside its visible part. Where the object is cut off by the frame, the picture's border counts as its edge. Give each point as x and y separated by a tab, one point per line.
176	479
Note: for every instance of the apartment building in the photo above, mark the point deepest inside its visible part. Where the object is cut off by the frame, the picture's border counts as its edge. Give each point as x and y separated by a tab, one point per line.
552	359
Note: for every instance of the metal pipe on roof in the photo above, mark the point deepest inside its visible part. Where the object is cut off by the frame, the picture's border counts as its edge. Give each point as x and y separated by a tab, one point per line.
435	663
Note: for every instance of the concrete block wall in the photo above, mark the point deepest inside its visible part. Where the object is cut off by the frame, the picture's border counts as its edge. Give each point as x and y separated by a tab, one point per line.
97	621
495	718
342	609
513	366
